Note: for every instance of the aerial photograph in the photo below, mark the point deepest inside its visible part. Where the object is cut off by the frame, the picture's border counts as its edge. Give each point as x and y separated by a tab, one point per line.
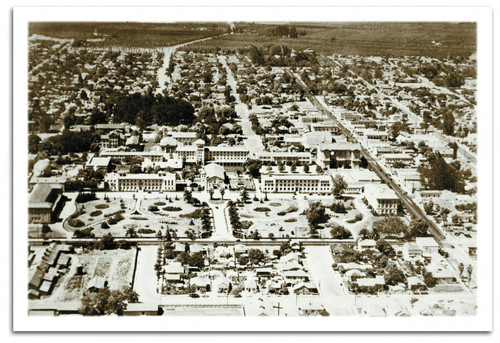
277	169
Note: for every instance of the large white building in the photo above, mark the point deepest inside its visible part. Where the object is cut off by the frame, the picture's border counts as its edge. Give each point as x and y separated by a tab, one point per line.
284	156
154	156
382	199
339	155
126	182
224	155
300	183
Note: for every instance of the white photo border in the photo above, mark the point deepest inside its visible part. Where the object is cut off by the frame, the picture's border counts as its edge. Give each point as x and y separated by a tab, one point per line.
481	15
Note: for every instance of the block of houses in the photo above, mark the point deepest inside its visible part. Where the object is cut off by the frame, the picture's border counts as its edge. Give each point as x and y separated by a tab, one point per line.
311	309
428	245
304	288
370	282
411	250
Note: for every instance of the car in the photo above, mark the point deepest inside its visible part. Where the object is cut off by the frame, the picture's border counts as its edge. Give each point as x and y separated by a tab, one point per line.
194	295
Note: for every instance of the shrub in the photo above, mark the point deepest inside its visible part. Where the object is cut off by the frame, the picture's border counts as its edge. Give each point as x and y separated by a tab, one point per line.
290	220
138	218
275	204
153	208
95	213
101	206
196	214
84	197
159	203
85	233
288	210
114	213
75	222
262	209
338	207
172	208
104	225
146	231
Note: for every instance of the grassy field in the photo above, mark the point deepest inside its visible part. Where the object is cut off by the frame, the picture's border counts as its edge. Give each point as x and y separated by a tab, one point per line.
139	35
378	39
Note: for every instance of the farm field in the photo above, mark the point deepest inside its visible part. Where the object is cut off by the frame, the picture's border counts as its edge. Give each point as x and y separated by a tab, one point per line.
132	35
394	39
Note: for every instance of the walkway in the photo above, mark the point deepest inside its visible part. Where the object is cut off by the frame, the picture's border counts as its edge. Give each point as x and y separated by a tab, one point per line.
222	228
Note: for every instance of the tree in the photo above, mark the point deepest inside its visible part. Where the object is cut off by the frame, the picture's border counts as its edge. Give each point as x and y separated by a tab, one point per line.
130	295
211	192
429	280
255	235
461	268
103	302
454	146
316	215
107	242
439	175
135	169
222	191
469	274
448	124
339	232
339	185
394	276
33	143
418	228
83	95
244	195
131	233
385	248
306	168
256	256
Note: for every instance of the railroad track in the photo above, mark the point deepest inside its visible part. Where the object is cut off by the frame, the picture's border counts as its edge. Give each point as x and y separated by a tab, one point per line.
409	204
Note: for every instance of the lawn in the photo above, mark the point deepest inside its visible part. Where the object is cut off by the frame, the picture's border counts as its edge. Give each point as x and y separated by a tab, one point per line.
280	218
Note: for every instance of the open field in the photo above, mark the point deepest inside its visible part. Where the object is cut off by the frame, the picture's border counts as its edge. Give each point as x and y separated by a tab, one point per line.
379	39
137	35
116	266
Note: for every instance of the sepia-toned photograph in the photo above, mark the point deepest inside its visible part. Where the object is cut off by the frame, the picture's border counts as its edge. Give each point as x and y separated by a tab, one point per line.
247	168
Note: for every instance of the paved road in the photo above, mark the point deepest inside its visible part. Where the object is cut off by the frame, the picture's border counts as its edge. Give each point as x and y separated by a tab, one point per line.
319	264
168	51
222	230
253	142
145	281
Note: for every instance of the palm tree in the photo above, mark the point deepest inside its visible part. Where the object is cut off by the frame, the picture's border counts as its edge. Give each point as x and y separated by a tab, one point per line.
469	272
